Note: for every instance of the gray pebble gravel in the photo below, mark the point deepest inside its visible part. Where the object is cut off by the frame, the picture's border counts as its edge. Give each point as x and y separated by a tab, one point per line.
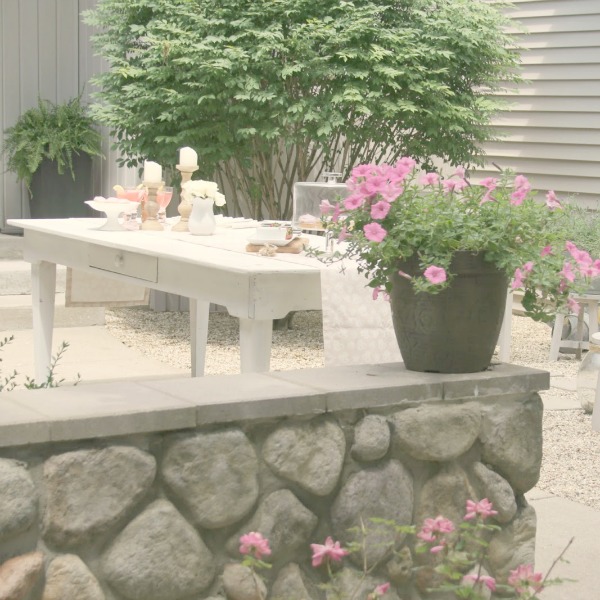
571	462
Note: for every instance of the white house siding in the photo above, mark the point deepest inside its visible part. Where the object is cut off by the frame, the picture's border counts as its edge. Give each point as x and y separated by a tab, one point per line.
552	133
45	52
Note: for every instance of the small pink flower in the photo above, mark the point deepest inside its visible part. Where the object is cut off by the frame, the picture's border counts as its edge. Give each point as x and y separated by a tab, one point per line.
379	591
435	274
528	266
567	272
405	164
545	251
354	201
573	306
429	179
326	207
374	232
552	201
453	185
254	543
523	577
518	279
460	172
489	182
376	292
434	526
329	550
517	197
522	183
488	581
483	508
487	197
380	209
362	171
343	234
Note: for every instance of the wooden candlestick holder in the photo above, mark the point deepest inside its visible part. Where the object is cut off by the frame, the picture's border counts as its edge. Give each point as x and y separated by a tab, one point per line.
185	206
151	223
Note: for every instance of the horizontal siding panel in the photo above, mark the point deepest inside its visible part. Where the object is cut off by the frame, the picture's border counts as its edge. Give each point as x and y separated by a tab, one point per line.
556	151
553	39
561	56
551	8
547	167
550	135
553	87
564	185
549	104
561	72
558	23
549	119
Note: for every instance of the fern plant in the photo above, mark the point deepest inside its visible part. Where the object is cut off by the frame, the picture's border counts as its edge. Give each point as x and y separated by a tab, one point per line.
50	131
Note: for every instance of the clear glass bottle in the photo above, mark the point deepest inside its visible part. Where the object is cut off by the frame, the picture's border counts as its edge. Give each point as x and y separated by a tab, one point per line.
587	378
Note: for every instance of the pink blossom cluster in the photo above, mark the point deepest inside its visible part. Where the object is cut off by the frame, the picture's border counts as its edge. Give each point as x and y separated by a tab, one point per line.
434	531
584	265
255	544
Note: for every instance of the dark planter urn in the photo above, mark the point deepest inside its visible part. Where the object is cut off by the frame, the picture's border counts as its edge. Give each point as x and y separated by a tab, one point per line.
56	196
455	331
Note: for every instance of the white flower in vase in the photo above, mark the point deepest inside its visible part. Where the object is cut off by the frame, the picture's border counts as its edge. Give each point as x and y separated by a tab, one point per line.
204	189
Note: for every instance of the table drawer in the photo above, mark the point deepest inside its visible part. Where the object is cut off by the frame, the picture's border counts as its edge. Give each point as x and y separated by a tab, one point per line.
123	262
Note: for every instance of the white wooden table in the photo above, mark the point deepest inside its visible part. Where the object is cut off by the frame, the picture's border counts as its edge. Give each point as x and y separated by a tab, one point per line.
208	269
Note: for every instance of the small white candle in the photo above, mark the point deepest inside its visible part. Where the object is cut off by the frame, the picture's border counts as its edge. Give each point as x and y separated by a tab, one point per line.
152	172
188	157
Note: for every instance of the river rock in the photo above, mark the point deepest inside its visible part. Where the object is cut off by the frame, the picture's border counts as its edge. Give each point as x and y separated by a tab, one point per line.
18	498
371	438
498	491
292	584
309	454
445	494
158	555
514	545
350	583
436	432
241	583
90	491
285	522
68	578
512	441
215	475
384	491
18	575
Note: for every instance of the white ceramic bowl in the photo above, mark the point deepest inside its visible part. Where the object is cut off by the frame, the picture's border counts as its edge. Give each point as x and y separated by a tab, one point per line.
112	209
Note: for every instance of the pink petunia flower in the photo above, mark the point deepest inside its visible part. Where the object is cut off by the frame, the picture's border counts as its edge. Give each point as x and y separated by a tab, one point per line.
573	306
453	185
567	272
354	201
431	527
380	209
518	279
376	292
254	543
328	551
488	581
430	179
523	577
460	172
362	171
489	182
374	232
528	266
552	202
343	234
545	251
483	508
379	591
517	197
326	207
435	274
522	183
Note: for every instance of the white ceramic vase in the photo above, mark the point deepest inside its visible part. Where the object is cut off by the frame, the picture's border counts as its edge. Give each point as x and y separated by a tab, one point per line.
202	219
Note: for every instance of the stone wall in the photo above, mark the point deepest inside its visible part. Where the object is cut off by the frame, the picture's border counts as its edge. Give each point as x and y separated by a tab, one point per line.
140	491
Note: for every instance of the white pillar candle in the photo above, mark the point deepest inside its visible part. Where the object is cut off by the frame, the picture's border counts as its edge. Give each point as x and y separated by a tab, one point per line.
188	157
152	172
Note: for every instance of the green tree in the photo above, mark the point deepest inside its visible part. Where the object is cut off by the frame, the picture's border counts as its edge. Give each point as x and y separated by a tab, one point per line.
270	92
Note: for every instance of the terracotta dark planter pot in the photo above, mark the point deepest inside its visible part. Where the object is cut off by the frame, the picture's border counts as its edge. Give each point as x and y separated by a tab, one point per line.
455	331
55	196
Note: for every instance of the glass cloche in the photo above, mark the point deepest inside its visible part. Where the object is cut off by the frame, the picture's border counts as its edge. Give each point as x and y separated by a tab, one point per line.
308	195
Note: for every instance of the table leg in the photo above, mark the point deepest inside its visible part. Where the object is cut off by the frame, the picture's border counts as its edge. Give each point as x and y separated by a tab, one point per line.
255	345
198	334
43	290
